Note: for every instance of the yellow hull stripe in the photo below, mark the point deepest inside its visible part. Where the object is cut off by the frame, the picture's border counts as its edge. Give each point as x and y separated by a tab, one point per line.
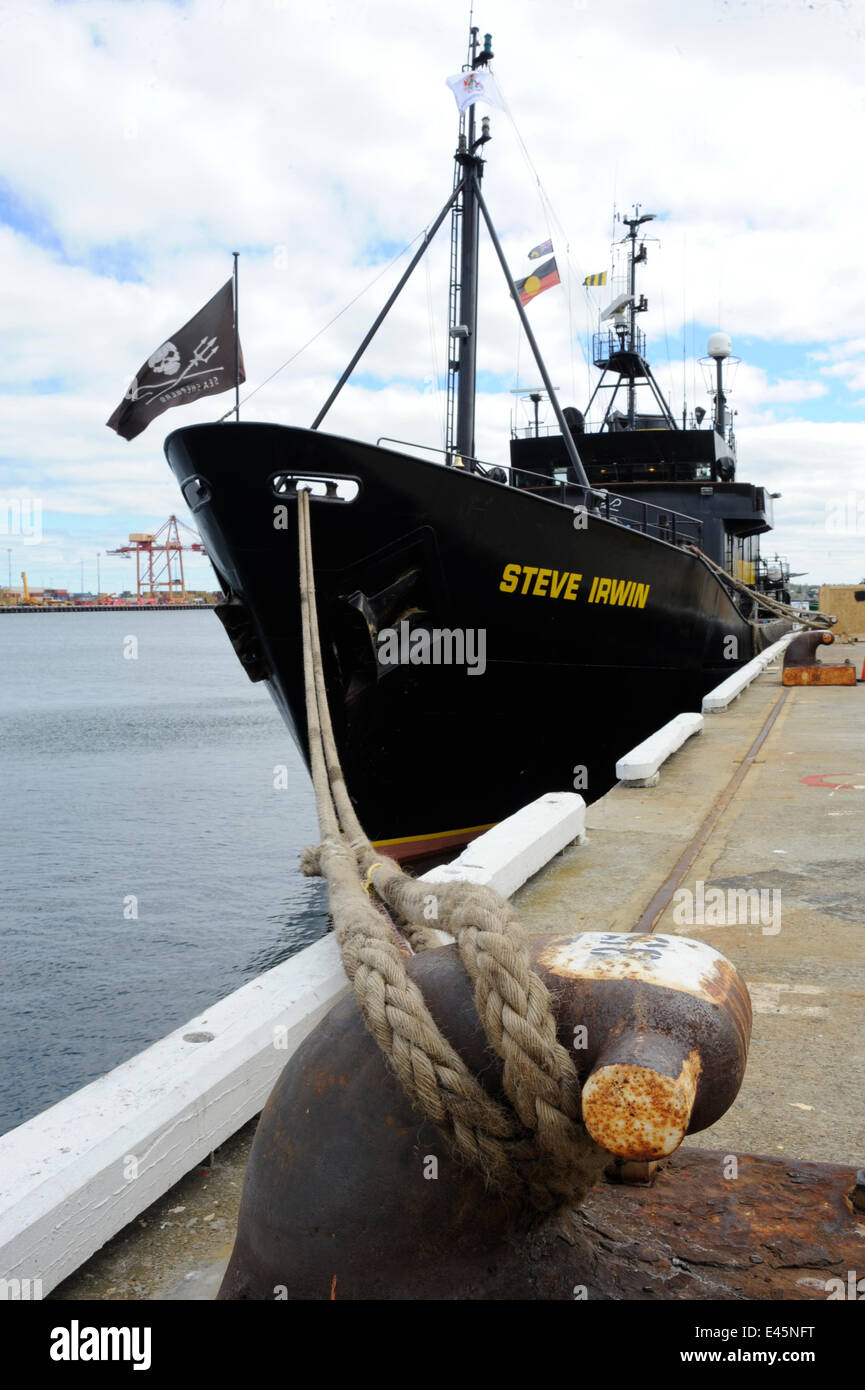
437	835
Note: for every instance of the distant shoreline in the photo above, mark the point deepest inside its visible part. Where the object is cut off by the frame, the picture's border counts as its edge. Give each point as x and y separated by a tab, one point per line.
103	607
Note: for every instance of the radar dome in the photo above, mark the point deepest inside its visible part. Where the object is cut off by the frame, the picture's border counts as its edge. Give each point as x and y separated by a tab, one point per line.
719	345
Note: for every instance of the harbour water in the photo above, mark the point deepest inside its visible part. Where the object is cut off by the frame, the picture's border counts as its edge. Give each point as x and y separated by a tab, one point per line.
154	809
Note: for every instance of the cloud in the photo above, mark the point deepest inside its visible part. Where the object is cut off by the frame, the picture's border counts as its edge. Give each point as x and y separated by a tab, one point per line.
148	141
817	469
851	370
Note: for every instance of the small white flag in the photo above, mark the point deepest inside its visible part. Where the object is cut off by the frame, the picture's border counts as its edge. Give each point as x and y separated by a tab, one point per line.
470	86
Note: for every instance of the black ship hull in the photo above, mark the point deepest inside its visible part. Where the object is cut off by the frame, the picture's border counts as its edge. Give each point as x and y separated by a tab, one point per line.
562	676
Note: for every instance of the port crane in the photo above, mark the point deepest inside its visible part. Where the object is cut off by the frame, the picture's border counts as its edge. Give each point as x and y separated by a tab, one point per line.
28	599
159	559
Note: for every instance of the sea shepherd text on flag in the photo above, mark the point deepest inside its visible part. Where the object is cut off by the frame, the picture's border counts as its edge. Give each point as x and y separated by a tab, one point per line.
196	361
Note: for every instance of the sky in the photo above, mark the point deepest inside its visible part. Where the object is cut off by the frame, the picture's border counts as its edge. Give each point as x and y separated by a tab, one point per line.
146	140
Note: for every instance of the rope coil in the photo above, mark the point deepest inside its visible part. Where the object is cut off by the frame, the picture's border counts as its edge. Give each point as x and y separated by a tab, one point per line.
539	1146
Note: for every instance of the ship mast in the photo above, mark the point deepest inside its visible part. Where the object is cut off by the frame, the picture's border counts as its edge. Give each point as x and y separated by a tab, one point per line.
635	258
719	349
621	349
462	329
468	205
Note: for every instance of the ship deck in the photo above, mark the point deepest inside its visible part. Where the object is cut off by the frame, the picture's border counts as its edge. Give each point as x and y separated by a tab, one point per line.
786	816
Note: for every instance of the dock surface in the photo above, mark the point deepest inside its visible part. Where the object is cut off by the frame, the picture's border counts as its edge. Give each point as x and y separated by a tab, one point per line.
786	817
770	798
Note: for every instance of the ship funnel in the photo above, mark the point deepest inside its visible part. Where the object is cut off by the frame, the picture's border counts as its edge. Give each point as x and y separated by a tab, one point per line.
719	345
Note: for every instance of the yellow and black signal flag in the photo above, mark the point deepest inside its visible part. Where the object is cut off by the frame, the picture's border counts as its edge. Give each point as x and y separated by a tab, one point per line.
542	279
543	249
599	279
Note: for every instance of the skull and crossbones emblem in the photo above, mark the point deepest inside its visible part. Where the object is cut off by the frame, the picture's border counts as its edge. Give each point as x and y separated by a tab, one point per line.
166	359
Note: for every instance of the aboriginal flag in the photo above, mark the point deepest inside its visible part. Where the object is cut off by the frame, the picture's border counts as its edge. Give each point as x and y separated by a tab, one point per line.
542	279
198	360
543	250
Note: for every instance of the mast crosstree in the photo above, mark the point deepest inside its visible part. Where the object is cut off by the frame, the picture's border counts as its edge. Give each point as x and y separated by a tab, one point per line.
621	348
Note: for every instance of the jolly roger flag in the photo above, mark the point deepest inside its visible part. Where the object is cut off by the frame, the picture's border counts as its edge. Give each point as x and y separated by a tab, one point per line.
196	361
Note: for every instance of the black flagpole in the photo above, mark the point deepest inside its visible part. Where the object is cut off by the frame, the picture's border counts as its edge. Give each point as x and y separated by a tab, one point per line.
235	254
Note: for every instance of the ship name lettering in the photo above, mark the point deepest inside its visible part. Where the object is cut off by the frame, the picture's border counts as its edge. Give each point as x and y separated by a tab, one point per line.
624	593
541	583
536	582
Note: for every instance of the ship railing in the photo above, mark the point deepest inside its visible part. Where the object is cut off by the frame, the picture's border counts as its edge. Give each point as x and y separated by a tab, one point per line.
449	454
661	522
535	431
677	528
665	524
608	346
496	472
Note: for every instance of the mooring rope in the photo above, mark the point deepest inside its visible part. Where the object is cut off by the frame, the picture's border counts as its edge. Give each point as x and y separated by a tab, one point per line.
772	605
540	1145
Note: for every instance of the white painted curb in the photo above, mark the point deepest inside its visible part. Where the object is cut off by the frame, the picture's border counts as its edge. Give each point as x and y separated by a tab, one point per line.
506	856
730	689
643	761
65	1184
512	851
67	1177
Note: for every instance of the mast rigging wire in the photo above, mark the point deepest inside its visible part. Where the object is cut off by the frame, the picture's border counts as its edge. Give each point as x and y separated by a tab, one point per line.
294	356
667	346
550	216
689	375
548	213
432	328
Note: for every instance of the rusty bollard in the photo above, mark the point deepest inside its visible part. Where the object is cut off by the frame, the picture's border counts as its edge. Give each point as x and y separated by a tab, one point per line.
857	1192
801	666
350	1193
671	1021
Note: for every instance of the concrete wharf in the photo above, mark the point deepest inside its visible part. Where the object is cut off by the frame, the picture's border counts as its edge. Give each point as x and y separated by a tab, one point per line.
752	840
